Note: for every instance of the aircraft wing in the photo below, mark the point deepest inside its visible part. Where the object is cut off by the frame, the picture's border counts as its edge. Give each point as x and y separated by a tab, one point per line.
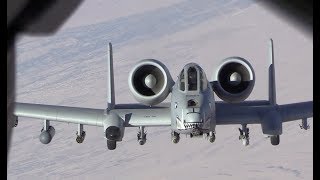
296	111
133	115
141	115
253	112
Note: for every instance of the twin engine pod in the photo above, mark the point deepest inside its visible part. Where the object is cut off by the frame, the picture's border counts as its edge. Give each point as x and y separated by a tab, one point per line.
150	81
234	79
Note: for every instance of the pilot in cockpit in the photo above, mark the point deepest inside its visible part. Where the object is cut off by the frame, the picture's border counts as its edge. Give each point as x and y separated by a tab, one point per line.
192	79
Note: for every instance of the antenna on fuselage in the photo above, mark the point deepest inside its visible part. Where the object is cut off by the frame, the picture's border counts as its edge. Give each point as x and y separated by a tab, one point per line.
272	81
110	79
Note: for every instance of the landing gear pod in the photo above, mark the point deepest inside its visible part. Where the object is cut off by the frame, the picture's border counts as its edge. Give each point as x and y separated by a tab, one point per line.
275	140
111	144
113	129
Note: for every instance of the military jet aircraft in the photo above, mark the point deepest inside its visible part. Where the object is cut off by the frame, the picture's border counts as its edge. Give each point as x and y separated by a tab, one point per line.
192	111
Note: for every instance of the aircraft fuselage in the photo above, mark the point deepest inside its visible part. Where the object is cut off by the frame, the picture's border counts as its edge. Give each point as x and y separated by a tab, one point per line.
192	103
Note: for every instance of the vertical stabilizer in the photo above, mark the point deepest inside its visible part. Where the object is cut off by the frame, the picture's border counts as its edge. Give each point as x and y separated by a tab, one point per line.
272	82
110	79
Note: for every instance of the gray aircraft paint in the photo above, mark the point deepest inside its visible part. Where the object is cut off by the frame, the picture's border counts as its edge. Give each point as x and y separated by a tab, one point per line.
202	113
206	114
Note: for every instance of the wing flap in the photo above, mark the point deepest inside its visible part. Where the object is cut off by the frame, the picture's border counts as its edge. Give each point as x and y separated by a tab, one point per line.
238	114
155	116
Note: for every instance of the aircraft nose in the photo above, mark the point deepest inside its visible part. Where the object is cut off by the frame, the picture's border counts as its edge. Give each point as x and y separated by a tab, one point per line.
193	118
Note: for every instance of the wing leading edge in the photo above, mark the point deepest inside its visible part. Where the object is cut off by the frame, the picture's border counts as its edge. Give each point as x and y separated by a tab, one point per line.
75	115
132	115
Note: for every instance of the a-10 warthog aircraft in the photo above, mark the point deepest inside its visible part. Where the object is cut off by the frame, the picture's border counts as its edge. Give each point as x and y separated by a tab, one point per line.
192	111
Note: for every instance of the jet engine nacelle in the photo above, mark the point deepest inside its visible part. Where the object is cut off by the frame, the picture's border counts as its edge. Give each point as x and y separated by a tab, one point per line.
150	81
234	79
271	123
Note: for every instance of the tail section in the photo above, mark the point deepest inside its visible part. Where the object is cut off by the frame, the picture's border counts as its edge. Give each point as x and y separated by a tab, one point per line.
272	83
110	79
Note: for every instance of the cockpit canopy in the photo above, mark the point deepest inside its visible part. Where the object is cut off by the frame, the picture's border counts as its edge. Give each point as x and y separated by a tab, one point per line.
192	78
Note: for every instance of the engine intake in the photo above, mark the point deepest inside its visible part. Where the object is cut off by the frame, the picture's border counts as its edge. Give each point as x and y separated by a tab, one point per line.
234	79
150	81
